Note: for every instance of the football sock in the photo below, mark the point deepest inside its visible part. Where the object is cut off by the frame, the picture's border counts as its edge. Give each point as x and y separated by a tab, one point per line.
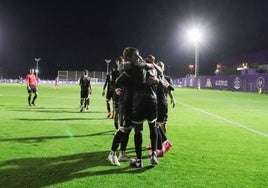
34	98
117	139
162	134
116	125
153	135
29	99
108	106
159	140
138	141
125	139
87	101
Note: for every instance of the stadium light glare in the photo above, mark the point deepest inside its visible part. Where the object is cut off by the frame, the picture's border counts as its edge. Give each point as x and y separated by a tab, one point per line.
195	36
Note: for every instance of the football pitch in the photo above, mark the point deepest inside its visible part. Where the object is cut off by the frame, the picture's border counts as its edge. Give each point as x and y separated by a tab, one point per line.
220	139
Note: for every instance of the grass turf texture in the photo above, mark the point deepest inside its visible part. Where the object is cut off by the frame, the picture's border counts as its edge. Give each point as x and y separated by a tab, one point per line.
219	140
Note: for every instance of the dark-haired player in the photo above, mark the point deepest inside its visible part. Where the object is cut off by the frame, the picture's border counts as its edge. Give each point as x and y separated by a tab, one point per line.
162	105
109	94
115	73
86	90
144	103
125	89
123	101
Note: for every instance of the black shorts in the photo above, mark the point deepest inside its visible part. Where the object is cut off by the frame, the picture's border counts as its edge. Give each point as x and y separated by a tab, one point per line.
162	108
144	108
33	89
84	94
115	101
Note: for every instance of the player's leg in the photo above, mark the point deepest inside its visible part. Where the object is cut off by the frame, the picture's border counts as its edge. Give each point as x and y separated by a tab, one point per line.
116	110
124	112
138	128
83	96
115	144
87	103
151	116
29	99
159	138
118	137
166	144
165	120
115	117
154	141
123	146
125	126
138	117
86	98
82	103
108	106
35	96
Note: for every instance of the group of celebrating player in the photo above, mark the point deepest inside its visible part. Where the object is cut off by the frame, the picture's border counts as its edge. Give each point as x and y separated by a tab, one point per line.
139	90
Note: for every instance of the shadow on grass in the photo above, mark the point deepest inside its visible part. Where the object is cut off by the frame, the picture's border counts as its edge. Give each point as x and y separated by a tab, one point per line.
40	172
57	119
52	110
45	138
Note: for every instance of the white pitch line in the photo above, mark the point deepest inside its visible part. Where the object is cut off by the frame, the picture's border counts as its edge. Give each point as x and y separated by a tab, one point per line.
226	120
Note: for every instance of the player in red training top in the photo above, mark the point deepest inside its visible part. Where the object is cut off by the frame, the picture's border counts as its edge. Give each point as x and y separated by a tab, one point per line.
31	83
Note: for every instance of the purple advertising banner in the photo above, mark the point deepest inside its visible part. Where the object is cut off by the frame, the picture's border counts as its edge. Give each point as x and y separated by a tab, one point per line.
250	83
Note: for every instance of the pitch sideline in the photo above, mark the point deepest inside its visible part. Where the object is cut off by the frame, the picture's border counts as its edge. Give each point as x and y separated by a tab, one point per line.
224	119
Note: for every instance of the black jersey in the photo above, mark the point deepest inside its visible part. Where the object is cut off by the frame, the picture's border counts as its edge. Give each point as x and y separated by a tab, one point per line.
84	82
139	81
144	101
107	82
161	93
161	89
110	80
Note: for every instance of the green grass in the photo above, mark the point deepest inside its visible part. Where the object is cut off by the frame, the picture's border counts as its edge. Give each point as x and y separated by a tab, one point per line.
220	139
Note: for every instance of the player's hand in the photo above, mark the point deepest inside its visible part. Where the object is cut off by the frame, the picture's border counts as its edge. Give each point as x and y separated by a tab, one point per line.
103	93
118	91
150	65
173	102
152	80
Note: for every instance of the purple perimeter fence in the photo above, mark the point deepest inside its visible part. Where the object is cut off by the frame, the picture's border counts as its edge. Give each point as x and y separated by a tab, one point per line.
250	83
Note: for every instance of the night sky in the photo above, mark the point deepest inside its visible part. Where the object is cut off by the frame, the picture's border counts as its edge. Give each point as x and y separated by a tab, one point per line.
79	34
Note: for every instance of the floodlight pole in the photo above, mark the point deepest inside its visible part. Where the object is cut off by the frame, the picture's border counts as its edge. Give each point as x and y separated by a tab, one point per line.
107	62
196	58
37	60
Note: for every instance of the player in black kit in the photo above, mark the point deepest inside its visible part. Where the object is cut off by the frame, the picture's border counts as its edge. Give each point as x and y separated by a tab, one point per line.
143	80
125	89
162	104
109	94
86	90
123	102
